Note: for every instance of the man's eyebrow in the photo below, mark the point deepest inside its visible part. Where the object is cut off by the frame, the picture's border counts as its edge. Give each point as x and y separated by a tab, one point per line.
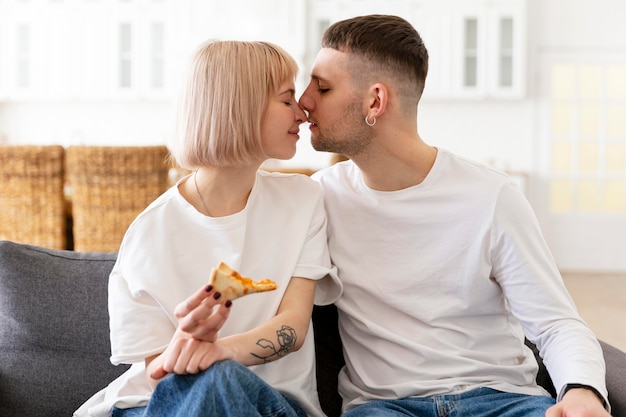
317	77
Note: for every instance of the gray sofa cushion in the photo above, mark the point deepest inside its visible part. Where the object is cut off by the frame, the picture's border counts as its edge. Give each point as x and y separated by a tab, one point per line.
52	358
55	347
615	378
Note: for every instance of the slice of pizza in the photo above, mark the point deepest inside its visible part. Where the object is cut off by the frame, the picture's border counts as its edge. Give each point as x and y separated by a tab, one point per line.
232	285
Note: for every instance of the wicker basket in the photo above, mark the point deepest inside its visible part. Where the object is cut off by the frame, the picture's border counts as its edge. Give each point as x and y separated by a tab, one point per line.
110	186
32	202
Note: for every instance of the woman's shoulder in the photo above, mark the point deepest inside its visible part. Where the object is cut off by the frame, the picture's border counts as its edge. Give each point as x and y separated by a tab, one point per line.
289	179
288	188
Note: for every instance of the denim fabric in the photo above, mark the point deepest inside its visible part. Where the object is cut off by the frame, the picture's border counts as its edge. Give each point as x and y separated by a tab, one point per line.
226	389
482	402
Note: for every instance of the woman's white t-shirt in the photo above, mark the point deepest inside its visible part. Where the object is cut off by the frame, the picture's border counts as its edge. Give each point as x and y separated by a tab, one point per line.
167	255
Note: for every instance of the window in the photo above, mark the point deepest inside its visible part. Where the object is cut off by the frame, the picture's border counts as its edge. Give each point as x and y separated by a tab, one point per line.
322	25
488	46
23	56
505	73
588	132
125	55
470	53
157	55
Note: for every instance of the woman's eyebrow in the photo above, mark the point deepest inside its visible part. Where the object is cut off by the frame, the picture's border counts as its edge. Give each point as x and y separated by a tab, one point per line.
291	92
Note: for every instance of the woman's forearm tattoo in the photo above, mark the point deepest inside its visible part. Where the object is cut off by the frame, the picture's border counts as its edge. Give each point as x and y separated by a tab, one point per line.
286	337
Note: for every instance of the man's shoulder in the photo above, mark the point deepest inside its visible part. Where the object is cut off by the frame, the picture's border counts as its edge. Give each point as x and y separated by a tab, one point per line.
471	169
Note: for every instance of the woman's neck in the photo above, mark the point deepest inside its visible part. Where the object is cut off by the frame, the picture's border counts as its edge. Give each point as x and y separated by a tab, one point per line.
218	191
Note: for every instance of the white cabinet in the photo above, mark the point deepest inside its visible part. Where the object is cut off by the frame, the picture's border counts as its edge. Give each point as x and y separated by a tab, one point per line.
70	50
477	48
133	49
489	48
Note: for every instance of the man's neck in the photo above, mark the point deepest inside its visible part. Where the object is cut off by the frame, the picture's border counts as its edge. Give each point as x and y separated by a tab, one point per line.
396	169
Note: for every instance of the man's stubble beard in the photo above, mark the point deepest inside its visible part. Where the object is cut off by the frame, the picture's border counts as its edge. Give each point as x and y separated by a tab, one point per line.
347	135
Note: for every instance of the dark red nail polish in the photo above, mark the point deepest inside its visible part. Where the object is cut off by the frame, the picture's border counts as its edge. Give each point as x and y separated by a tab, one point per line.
209	288
228	303
217	295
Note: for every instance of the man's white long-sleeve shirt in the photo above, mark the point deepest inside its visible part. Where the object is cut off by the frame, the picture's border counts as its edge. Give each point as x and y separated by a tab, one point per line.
442	281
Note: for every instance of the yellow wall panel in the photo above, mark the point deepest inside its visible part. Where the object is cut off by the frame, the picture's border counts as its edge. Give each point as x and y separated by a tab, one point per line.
589	122
563	81
562	157
562	117
615	158
616	121
588	157
588	196
561	196
615	196
591	81
616	82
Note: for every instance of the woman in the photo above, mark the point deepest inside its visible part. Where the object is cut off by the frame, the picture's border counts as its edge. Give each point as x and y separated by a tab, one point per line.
192	354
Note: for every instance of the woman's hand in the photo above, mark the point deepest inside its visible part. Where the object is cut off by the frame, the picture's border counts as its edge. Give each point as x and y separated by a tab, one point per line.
193	347
187	355
196	315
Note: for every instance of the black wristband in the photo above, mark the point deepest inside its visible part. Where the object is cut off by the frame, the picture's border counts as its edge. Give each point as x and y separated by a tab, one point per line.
590	388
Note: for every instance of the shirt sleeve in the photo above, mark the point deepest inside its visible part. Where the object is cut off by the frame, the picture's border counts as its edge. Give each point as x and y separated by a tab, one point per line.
139	325
315	259
538	298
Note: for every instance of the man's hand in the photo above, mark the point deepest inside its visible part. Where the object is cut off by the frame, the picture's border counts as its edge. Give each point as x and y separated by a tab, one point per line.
578	402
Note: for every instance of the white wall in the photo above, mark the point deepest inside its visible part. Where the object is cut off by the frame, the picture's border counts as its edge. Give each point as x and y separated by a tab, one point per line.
499	132
578	23
92	123
505	133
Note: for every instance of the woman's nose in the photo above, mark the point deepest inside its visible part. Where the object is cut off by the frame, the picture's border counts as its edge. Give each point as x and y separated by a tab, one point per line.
301	115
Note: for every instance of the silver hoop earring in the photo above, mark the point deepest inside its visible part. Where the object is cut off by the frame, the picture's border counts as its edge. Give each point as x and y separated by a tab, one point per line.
367	122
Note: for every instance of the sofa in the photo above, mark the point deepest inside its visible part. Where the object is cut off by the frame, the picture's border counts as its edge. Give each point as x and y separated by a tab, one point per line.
54	337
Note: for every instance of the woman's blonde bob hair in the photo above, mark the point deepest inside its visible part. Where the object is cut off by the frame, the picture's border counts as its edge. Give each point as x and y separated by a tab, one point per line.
223	102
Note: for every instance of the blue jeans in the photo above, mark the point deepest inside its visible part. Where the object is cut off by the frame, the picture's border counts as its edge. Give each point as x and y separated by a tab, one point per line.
481	402
226	389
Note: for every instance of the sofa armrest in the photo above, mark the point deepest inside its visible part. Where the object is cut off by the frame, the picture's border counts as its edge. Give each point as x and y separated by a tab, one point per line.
615	378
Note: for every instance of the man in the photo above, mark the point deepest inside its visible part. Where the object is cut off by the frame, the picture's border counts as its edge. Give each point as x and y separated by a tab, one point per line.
445	270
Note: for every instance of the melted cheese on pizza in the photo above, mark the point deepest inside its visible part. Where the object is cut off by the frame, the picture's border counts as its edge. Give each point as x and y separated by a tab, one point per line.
232	285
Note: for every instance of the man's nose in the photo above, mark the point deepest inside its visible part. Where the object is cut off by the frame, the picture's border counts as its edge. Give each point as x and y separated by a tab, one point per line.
306	103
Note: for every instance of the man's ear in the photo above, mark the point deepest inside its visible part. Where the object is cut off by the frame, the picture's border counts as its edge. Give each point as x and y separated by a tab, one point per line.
378	95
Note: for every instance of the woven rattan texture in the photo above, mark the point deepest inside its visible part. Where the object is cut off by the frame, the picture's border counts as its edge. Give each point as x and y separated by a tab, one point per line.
32	203
110	186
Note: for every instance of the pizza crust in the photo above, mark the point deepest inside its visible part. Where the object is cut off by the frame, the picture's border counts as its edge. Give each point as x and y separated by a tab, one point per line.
231	285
